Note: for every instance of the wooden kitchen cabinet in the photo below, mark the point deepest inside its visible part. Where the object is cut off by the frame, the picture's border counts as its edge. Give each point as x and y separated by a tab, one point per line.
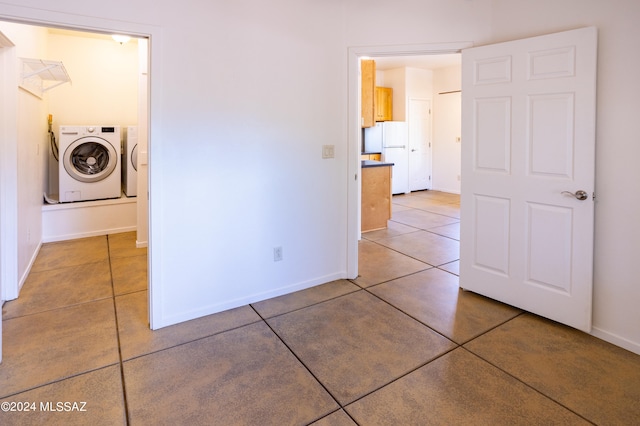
375	157
376	197
384	103
368	85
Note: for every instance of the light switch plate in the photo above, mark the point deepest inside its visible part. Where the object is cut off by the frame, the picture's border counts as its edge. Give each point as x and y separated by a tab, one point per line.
328	151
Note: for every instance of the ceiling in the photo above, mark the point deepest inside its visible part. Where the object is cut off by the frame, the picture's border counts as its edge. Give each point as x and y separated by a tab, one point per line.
428	62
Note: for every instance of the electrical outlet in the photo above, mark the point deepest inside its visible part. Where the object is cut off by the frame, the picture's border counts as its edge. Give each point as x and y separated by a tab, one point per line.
277	254
328	151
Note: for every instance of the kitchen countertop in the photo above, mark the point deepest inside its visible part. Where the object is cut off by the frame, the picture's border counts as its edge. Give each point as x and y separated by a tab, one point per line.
374	163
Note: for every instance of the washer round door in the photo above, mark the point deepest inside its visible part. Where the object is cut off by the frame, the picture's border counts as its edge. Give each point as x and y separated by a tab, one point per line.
90	159
134	157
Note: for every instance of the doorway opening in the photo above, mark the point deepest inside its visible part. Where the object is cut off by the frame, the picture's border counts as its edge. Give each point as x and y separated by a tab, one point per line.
390	57
9	183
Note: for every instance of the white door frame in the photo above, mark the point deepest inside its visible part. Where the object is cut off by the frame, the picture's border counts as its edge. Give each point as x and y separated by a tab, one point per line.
355	130
8	172
46	18
8	161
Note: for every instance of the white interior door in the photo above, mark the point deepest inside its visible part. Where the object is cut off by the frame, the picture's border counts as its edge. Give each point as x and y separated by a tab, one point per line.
528	113
419	144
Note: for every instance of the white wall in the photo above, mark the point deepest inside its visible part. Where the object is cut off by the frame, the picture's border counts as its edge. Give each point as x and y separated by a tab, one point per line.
616	316
104	80
234	96
31	149
240	169
397	80
446	129
406	83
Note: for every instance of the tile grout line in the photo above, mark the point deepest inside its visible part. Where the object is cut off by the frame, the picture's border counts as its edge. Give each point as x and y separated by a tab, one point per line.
410	316
456	345
305	367
115	315
448	272
191	341
404	254
430	267
308	306
62	379
343	407
407	208
353	280
417	230
80	373
415	258
59	308
424	364
509	374
518	379
461	346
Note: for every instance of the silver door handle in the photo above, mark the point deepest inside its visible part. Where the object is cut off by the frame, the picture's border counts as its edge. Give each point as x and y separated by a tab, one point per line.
413	150
579	194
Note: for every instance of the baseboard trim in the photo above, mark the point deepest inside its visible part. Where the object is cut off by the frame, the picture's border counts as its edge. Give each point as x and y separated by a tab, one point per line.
230	304
99	233
616	340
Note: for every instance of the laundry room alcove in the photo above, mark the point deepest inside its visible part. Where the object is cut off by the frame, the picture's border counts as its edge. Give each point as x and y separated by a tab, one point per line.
115	73
65	221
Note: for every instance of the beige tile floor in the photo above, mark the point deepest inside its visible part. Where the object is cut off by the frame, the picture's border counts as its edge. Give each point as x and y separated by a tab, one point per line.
399	345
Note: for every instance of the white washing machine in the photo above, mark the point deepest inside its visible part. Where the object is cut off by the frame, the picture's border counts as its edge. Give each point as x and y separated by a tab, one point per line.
89	163
130	161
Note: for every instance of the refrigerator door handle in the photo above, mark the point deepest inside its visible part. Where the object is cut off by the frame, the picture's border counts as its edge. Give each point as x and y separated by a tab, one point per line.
395	146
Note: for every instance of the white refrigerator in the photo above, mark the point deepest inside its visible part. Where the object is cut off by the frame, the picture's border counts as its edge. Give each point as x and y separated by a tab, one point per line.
391	138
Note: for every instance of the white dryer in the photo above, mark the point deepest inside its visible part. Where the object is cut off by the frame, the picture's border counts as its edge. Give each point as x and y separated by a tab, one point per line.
89	163
130	161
